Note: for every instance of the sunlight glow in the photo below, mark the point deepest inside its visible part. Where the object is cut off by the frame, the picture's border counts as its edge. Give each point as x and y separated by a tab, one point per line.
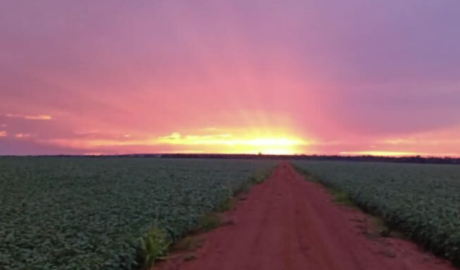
214	143
228	143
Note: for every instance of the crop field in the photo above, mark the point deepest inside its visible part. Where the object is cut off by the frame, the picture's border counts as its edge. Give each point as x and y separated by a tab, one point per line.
423	201
91	213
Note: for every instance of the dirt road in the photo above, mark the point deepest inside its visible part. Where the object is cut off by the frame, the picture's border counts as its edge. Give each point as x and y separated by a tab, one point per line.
287	223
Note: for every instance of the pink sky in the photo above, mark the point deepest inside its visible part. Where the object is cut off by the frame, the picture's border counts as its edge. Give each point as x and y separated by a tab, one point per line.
291	76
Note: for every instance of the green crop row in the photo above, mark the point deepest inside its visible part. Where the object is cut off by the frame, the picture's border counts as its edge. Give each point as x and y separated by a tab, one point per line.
423	201
95	213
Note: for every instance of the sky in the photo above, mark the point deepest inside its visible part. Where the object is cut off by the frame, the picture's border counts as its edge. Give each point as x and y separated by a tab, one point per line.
348	77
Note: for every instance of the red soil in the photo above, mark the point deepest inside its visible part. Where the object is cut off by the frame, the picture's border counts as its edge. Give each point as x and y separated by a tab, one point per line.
289	223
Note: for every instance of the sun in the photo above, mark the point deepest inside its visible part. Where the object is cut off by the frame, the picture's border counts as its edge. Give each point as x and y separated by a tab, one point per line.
268	145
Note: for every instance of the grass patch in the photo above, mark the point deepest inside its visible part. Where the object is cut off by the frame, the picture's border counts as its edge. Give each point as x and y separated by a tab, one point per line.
338	196
154	245
308	176
227	205
189	243
209	222
341	197
255	179
259	177
243	189
382	229
189	257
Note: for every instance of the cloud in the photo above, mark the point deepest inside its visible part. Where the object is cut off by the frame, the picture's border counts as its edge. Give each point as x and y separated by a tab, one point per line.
229	139
211	129
37	117
447	136
397	154
3	134
40	117
442	142
177	138
22	135
378	153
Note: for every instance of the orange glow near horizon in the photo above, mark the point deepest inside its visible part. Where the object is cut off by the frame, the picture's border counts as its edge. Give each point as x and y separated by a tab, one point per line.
209	143
282	139
379	153
239	140
396	154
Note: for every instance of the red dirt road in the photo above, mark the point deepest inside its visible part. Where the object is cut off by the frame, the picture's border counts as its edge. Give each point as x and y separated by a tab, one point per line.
287	223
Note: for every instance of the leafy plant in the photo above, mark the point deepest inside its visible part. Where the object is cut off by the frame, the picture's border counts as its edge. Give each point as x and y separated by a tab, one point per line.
154	245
